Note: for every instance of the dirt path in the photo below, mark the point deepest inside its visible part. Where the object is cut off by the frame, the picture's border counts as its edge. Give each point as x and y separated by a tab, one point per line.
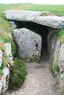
39	80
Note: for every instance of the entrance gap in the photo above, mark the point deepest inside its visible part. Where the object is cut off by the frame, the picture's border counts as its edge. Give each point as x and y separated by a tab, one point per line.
37	28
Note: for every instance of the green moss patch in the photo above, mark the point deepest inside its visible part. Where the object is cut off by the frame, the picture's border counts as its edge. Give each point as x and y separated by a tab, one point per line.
56	68
1	73
51	65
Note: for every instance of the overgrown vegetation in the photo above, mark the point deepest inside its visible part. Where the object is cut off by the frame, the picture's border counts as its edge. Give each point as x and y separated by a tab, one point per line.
18	74
4	61
18	71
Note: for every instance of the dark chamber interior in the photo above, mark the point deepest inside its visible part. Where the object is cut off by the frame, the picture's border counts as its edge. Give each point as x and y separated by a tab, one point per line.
37	28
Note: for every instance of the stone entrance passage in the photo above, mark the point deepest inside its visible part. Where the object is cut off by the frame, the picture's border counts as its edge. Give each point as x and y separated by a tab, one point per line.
37	28
42	28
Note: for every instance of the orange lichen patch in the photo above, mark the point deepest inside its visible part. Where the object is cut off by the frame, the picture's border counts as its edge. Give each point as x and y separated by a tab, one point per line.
1	44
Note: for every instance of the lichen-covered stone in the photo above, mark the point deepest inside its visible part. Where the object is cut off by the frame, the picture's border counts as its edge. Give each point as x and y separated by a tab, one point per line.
4	78
51	39
51	21
22	15
29	44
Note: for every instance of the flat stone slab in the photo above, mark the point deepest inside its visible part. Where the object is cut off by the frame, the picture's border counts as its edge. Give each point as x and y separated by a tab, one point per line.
21	15
35	16
51	21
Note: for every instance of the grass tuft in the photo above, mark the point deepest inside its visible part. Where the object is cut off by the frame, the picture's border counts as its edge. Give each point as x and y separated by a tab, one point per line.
18	74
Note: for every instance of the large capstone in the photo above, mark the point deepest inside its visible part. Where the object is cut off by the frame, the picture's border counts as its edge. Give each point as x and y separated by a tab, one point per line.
35	16
29	44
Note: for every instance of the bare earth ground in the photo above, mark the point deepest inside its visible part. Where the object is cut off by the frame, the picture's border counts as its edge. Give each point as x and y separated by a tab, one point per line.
39	80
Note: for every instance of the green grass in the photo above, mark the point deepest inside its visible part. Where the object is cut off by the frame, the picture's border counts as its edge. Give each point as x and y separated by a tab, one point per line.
56	9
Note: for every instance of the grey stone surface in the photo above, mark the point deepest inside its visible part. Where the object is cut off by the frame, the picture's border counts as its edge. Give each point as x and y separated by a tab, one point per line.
4	79
22	15
58	58
61	54
51	21
35	16
56	52
29	44
61	63
13	24
51	39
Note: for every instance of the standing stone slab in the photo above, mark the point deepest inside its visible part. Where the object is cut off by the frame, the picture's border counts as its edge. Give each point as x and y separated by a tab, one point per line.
29	44
51	39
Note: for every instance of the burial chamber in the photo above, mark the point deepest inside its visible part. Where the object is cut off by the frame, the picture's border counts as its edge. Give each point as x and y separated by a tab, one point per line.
45	26
46	33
